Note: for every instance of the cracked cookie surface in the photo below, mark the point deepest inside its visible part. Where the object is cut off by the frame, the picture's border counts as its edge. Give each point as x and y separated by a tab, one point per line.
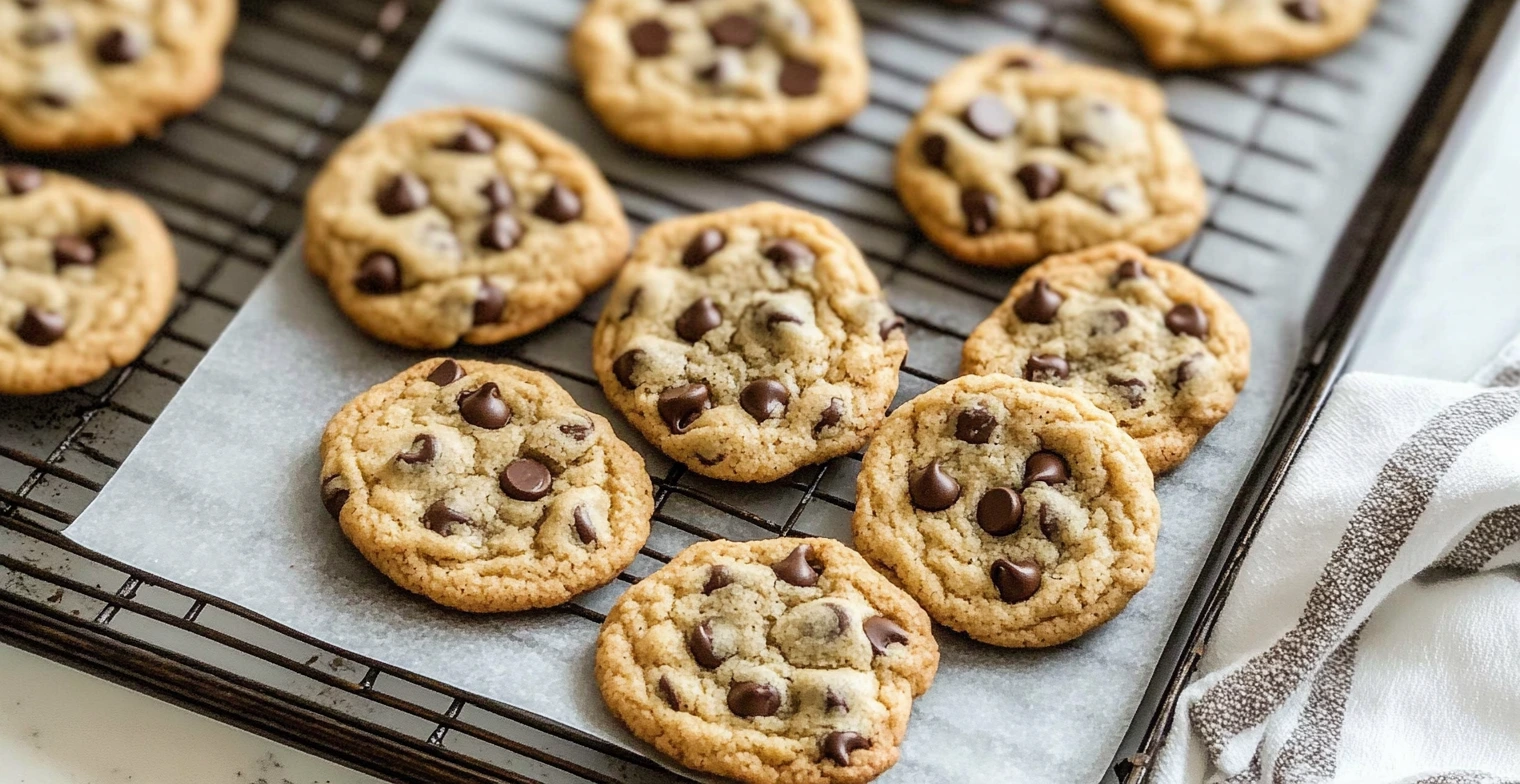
1144	339
86	277
1015	512
720	78
484	487
461	224
749	343
1207	33
783	661
1018	154
92	73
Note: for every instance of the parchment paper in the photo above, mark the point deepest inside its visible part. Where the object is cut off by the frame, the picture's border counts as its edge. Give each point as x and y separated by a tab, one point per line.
221	494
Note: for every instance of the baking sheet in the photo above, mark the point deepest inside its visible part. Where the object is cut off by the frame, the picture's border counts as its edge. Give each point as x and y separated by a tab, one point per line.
221	493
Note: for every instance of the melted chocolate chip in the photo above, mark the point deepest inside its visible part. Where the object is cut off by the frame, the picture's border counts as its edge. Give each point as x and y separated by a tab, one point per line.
980	208
680	406
934	149
526	479
1040	180
41	327
1132	390
1000	512
585	530
472	139
1109	322
559	204
73	251
1039	304
118	46
21	179
490	301
424	449
698	319
333	498
789	254
797	568
577	430
440	519
881	632
837	746
1046	368
841	620
649	38
740	31
499	195
749	700
484	407
501	232
447	372
1185	370
700	643
406	192
764	399
624	365
830	416
379	273
1304	10
932	489
989	117
832	701
779	317
702	247
1015	582
890	325
1050	525
1188	319
668	693
974	425
799	78
1128	269
1047	467
717	577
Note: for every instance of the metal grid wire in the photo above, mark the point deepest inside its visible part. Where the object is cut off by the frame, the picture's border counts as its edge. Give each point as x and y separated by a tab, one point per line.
301	76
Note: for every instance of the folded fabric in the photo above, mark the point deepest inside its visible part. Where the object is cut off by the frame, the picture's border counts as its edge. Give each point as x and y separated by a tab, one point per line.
1373	634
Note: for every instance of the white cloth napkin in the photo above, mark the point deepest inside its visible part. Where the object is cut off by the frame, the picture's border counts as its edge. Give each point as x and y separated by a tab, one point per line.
1373	635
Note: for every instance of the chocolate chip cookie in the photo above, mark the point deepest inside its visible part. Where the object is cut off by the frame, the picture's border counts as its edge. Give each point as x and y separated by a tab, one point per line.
720	78
1145	339
1013	511
749	343
85	73
781	661
1204	34
461	224
86	277
484	487
1018	154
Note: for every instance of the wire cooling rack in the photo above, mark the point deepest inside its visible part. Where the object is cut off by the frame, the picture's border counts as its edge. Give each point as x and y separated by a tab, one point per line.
229	180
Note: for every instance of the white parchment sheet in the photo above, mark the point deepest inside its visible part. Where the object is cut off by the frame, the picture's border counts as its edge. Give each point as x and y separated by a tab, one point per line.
221	494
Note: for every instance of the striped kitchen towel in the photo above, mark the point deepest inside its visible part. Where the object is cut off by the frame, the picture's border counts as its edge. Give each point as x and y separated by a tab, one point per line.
1373	635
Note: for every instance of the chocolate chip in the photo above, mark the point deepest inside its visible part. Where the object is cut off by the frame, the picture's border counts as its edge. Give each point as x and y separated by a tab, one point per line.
717	577
73	251
1129	269
440	519
702	247
48	31
649	38
1000	512
501	232
424	449
789	254
559	204
1076	141
1015	582
20	179
764	399
1131	389
1040	180
1050	526
779	317
797	568
1047	467
682	405
890	325
1109	322
577	430
832	702
974	425
1304	10
624	365
404	193
41	327
799	78
699	318
700	643
668	693
830	416
989	117
379	273
737	30
490	301
841	620
118	46
633	303
749	700
472	139
726	68
333	497
881	632
932	489
1046	368
526	479
980	208
54	99
935	149
1039	304
499	195
1185	371
447	372
485	408
1188	319
838	745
